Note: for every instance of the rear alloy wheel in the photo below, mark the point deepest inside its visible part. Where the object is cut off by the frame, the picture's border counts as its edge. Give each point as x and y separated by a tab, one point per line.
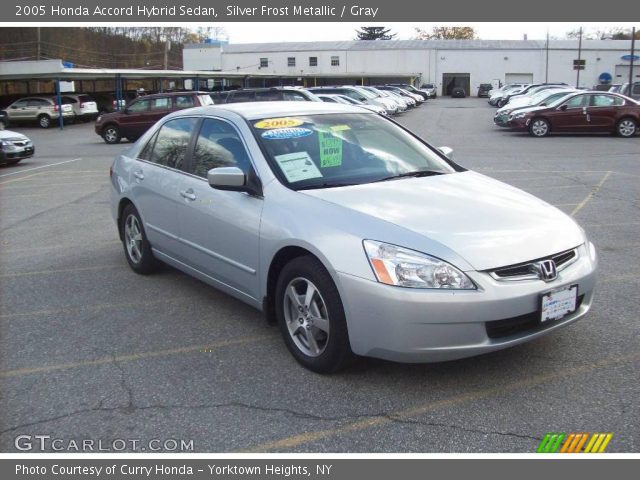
626	128
539	127
44	121
111	134
136	246
311	317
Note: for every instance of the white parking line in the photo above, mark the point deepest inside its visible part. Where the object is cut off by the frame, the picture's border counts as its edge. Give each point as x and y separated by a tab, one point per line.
41	166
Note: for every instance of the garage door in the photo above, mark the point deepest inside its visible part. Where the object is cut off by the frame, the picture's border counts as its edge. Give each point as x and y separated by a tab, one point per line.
622	73
518	78
454	80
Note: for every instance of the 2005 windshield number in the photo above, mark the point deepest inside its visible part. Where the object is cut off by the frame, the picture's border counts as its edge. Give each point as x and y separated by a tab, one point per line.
30	10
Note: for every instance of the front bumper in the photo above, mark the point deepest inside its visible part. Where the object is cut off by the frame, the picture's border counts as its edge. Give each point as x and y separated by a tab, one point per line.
415	325
7	155
519	123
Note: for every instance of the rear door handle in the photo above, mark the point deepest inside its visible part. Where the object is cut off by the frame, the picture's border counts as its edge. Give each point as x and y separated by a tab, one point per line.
139	175
188	194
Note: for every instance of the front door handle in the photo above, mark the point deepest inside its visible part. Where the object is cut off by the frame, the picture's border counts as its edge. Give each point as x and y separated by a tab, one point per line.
139	175
188	194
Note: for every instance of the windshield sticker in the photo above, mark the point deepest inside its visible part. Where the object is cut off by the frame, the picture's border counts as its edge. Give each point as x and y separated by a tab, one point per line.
297	166
340	128
284	122
330	150
285	133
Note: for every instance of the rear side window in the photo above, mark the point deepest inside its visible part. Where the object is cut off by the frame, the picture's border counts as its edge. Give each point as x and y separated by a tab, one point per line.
39	102
218	145
605	101
205	100
171	142
85	98
184	101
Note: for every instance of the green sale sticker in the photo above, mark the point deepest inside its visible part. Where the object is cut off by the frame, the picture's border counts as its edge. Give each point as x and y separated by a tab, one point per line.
330	150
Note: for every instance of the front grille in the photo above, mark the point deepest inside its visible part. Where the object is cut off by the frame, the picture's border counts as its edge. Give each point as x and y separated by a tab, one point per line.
528	323
527	270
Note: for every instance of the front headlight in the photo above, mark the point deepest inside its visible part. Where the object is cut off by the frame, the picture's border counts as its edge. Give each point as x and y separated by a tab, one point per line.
519	115
402	267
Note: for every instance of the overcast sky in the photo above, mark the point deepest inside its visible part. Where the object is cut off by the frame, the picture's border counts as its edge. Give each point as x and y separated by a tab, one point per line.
298	32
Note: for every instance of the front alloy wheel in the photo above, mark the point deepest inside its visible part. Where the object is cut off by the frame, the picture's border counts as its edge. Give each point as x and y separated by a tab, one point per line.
111	134
311	317
539	127
306	317
627	127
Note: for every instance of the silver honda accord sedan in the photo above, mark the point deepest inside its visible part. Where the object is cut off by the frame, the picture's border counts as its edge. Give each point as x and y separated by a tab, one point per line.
351	233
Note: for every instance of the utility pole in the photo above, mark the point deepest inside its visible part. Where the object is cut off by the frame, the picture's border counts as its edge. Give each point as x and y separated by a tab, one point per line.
38	54
546	72
167	47
579	58
633	48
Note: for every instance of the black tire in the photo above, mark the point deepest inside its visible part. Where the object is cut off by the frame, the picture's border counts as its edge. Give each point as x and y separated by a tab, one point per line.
111	134
3	124
145	263
626	127
539	127
44	121
336	352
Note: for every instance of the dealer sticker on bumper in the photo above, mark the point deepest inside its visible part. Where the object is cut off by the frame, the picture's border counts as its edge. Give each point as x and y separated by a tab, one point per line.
559	303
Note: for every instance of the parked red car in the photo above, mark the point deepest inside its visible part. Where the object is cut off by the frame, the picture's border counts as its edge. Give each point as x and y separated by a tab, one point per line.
137	117
581	112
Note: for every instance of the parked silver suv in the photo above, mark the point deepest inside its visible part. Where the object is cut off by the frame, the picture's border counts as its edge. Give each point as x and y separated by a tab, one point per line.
41	110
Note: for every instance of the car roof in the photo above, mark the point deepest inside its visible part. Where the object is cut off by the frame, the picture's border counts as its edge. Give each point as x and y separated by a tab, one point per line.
255	110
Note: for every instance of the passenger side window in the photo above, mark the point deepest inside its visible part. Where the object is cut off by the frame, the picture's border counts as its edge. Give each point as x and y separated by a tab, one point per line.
145	153
218	145
20	104
38	102
268	96
237	97
294	96
139	106
184	101
172	142
576	102
162	103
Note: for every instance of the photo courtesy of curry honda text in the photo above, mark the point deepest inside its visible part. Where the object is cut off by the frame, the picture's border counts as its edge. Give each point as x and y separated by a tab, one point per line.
351	233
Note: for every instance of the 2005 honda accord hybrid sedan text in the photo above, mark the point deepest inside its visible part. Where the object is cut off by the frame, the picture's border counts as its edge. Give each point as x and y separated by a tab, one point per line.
354	235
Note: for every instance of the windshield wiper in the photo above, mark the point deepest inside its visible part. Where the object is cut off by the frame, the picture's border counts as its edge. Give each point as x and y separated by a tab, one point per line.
414	173
327	185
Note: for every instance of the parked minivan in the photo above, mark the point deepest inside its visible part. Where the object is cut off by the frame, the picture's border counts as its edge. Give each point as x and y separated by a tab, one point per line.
143	112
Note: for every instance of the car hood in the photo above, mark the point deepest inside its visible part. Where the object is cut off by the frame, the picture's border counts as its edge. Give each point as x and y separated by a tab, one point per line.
487	222
8	134
532	108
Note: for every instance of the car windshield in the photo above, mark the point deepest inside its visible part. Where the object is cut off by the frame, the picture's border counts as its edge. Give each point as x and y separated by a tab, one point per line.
332	150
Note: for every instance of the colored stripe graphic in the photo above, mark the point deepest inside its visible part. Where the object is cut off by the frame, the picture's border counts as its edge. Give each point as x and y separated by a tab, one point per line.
574	442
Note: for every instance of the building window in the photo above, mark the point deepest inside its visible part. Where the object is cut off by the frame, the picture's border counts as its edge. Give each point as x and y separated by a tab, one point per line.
313	61
335	61
291	61
264	62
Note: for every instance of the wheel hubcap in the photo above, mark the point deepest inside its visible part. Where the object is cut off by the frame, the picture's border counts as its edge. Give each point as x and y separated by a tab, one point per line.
627	128
539	128
133	239
111	135
306	316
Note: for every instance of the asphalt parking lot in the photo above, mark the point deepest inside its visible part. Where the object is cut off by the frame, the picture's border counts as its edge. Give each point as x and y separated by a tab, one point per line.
90	350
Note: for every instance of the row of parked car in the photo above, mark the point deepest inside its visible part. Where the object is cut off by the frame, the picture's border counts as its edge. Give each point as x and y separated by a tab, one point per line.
132	121
542	109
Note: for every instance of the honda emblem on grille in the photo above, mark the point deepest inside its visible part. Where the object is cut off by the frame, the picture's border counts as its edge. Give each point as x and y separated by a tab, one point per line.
546	270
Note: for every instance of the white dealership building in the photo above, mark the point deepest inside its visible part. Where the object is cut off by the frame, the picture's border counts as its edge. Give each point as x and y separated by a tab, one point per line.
447	63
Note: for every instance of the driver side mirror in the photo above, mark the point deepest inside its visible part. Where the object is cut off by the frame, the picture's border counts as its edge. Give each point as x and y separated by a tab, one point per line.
563	107
447	152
